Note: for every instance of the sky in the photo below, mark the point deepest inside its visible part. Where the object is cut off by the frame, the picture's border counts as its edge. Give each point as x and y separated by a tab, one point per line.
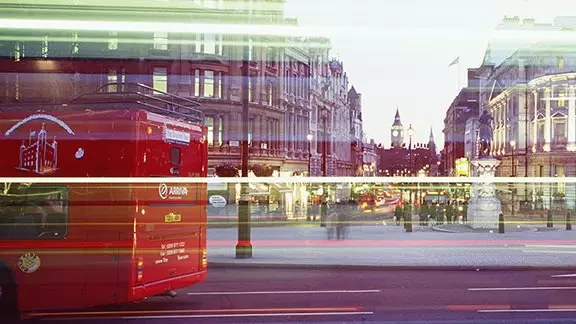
396	52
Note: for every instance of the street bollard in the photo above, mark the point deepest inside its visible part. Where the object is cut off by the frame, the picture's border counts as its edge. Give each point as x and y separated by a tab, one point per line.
568	224
549	223
501	223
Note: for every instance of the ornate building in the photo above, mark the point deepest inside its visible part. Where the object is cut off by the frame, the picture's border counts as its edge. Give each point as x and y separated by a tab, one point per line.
531	96
295	89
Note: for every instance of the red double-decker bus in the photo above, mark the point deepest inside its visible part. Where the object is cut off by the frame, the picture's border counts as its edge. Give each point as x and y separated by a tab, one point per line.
74	245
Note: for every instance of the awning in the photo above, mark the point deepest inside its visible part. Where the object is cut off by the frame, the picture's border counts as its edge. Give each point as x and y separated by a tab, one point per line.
258	189
282	187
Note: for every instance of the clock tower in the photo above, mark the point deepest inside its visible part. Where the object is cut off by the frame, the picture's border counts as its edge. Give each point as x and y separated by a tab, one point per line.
397	132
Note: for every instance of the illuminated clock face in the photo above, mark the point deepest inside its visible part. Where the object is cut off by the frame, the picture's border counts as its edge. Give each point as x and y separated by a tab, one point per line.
395	133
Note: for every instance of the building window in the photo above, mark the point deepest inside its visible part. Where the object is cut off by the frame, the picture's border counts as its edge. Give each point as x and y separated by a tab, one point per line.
559	133
250	131
113	41
560	62
220	45
209	84
210	125
75	43
17	52
160	79
250	88
209	43
269	93
112	81
561	94
196	83
219	81
44	51
559	187
198	43
161	41
220	129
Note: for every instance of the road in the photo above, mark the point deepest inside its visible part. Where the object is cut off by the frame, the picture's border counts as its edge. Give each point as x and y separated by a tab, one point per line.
418	296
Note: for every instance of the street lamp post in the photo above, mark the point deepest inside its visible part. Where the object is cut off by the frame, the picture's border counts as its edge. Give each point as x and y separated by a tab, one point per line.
244	245
548	150
410	133
309	137
513	167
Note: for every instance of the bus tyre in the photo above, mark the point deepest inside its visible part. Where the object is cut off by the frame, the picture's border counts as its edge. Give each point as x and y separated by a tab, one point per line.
8	302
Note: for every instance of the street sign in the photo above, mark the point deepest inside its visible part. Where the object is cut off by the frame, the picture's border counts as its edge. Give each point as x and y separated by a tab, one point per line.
217	201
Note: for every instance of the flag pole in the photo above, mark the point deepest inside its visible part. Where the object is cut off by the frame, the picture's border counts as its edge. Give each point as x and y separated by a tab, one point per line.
458	90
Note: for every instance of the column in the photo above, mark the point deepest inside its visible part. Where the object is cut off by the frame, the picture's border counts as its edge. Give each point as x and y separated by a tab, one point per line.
548	125
270	138
571	120
535	122
282	133
216	132
291	137
298	133
521	140
225	128
293	134
265	132
262	127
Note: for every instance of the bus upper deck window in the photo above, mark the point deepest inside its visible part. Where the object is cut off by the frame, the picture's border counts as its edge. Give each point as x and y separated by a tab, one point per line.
175	155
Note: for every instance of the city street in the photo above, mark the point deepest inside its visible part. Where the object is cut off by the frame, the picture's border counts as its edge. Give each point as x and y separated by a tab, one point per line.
390	246
272	295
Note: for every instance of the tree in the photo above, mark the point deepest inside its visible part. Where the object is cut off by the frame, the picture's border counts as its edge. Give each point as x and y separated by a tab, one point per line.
226	170
262	170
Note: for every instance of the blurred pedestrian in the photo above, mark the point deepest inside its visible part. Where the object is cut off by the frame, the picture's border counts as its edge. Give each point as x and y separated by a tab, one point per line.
423	213
450	212
398	212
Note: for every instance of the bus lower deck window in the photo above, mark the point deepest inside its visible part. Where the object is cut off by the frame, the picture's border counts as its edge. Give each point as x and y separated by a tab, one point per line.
175	155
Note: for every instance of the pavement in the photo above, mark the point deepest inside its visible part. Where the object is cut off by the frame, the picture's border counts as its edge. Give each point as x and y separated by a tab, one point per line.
351	296
389	246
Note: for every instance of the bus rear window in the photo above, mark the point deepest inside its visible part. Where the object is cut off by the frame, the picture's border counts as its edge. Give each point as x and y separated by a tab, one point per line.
175	155
33	211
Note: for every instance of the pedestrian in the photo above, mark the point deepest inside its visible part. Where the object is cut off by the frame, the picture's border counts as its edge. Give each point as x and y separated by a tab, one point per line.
341	222
331	222
423	213
398	213
449	212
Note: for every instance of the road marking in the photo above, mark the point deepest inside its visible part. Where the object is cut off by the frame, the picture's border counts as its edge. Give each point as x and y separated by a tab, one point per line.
196	311
249	315
526	310
550	246
571	275
209	316
549	251
521	288
284	292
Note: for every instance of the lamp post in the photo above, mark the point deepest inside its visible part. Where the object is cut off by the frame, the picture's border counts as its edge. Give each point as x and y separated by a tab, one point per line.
309	137
244	245
410	133
513	167
548	150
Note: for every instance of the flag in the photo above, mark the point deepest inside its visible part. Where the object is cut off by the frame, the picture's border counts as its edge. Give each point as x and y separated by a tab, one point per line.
456	61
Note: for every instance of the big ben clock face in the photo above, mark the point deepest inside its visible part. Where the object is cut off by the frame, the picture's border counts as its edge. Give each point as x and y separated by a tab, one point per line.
395	133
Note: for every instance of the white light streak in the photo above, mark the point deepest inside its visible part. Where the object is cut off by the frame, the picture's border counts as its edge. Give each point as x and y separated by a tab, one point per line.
280	180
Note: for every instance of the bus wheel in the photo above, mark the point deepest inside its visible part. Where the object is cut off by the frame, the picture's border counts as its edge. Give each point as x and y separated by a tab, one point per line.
8	300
